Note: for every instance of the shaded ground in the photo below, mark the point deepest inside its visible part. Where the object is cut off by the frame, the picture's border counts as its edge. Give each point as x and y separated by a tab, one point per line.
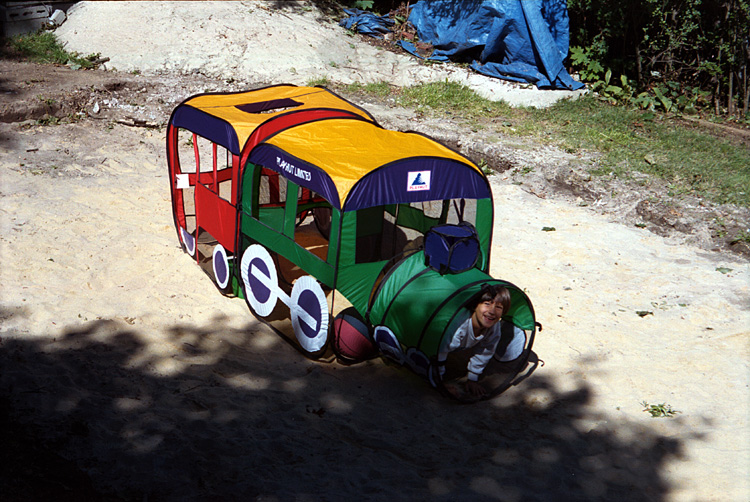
548	438
32	469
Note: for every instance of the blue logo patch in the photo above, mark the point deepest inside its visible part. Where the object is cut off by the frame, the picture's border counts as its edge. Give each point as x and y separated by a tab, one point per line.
417	181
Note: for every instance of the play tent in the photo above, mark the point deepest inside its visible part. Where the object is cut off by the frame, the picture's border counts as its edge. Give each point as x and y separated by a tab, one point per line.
299	202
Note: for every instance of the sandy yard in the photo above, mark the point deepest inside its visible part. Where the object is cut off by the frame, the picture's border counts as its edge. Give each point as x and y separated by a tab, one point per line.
134	379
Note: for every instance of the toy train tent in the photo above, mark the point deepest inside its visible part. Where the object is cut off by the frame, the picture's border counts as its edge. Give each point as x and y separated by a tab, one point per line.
305	205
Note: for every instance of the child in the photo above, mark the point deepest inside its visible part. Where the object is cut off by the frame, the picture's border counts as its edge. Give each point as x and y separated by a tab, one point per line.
481	331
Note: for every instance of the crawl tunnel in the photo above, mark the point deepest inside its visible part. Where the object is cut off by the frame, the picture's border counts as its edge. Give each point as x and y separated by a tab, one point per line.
416	309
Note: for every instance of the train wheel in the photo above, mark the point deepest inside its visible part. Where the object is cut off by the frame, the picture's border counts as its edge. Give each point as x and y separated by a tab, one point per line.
309	312
188	241
222	272
260	279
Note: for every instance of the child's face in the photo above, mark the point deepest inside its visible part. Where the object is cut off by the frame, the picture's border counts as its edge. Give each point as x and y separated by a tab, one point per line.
488	313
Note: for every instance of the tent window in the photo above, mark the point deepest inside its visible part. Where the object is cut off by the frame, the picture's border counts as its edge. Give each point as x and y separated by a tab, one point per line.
185	168
223	186
461	210
272	106
272	190
185	151
313	223
204	159
211	161
381	234
384	232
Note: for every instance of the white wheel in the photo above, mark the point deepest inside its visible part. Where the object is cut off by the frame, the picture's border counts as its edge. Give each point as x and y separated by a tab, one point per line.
309	312
388	343
188	240
260	279
221	266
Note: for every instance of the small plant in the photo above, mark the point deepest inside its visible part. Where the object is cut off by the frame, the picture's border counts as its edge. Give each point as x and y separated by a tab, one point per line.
486	169
588	68
323	81
743	236
363	4
523	170
659	410
48	120
379	89
47	101
614	93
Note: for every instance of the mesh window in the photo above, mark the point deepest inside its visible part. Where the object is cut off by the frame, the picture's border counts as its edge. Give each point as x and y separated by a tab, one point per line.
461	210
224	167
272	190
313	224
385	232
185	151
205	160
186	167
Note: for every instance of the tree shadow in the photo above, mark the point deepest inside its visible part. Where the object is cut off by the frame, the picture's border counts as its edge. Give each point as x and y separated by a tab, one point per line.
219	413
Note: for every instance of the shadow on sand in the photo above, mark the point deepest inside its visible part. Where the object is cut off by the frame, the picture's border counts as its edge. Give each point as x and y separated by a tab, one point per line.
223	417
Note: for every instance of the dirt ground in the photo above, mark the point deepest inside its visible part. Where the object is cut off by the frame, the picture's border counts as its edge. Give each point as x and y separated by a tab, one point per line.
123	388
32	93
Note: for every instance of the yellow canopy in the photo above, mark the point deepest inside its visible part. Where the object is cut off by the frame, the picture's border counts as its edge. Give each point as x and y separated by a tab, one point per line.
347	151
243	112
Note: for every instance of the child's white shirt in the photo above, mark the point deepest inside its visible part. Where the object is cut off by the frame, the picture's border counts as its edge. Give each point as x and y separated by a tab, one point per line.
464	338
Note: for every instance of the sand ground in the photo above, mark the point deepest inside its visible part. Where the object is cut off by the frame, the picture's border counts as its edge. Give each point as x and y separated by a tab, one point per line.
122	356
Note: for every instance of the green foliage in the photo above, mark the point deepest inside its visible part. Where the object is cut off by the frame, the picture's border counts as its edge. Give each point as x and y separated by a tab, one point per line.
659	410
614	93
43	47
743	236
486	169
666	97
322	81
641	140
447	97
702	45
379	89
360	4
588	68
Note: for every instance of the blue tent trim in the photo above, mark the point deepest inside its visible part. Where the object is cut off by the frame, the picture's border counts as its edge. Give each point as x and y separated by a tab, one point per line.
401	183
215	129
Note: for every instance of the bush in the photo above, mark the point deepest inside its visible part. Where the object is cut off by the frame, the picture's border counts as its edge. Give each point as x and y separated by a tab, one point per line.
656	43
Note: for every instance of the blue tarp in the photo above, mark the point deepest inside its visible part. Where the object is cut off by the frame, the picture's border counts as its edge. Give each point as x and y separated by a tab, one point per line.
367	23
517	40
